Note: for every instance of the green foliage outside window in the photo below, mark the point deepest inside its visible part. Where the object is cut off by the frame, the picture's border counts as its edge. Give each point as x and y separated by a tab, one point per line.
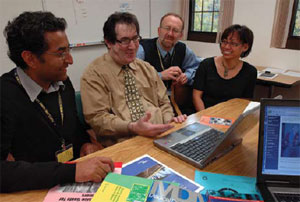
296	31
206	15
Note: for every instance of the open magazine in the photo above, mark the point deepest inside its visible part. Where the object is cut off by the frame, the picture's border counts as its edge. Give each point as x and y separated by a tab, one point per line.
148	167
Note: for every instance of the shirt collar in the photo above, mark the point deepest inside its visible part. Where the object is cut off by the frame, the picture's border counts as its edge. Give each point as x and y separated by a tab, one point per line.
163	53
32	88
117	68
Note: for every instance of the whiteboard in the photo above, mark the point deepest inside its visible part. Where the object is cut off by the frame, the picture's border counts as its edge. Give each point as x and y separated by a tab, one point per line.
86	18
9	9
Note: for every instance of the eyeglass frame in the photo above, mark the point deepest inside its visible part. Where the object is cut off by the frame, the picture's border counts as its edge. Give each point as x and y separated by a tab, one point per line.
126	41
232	44
63	54
174	30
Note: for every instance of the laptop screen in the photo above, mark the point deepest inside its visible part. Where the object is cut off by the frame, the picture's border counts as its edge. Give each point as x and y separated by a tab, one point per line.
281	148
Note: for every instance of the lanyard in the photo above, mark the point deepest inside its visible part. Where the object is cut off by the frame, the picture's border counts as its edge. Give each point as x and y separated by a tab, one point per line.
50	117
159	55
61	110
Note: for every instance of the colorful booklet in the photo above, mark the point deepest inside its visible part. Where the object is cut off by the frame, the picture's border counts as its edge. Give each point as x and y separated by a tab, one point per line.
148	167
216	121
228	186
76	191
165	192
124	188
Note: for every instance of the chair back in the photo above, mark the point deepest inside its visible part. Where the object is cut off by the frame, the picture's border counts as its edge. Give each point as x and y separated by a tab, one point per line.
79	110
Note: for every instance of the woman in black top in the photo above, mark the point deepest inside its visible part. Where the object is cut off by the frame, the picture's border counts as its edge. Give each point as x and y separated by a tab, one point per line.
221	78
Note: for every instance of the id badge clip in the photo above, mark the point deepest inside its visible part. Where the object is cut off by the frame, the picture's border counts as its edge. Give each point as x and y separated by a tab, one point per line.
65	154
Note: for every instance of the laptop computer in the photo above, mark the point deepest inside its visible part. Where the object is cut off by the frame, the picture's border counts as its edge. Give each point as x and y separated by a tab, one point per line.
278	161
199	144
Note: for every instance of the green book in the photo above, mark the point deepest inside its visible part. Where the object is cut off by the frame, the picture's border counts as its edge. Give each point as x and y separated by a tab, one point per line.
123	188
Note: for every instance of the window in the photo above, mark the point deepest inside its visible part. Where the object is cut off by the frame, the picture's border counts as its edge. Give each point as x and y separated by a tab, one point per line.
204	20
293	41
285	33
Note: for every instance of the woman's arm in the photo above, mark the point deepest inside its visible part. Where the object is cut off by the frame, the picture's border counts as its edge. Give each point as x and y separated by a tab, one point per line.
197	100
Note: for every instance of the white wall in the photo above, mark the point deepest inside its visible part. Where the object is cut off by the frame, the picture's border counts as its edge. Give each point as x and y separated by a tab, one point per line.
84	55
159	8
258	15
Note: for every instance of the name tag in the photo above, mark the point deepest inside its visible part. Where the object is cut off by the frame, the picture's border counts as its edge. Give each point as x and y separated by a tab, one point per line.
65	155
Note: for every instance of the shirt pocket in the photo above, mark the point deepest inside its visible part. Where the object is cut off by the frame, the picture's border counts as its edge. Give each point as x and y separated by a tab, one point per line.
149	94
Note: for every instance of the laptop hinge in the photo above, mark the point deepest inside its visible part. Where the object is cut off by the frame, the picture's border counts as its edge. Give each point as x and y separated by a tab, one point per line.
276	182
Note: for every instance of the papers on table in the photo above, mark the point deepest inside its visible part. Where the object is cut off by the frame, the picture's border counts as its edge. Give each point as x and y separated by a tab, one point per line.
292	73
76	191
274	70
148	167
270	73
251	106
265	75
231	186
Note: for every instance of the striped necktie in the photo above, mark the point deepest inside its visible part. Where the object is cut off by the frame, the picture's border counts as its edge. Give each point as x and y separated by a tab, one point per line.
167	60
132	96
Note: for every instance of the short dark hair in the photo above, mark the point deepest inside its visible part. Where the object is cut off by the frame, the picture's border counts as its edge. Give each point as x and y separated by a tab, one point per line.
118	18
172	14
26	32
245	35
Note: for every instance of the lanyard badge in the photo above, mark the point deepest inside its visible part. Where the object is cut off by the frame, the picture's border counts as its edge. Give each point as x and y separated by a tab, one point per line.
66	152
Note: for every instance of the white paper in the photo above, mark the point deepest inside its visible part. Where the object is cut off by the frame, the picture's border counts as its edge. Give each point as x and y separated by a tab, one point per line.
251	106
274	70
292	73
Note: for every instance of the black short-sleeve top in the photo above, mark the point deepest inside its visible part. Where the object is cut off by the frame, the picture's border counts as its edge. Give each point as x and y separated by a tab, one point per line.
217	89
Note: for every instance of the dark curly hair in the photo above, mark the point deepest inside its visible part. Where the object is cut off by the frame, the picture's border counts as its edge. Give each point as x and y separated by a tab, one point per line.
245	34
26	32
118	18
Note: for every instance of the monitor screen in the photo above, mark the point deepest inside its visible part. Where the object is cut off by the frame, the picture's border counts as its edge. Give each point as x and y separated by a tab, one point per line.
281	148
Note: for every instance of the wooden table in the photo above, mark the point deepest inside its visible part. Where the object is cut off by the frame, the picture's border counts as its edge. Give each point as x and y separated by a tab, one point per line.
240	161
280	80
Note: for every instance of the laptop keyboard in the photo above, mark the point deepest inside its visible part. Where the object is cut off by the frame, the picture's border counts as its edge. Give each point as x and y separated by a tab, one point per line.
284	197
199	147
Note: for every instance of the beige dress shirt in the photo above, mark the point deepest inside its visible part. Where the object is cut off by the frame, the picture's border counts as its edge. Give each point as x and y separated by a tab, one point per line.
103	97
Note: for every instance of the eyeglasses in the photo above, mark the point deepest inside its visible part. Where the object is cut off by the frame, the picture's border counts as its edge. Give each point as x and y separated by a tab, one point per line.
127	41
232	44
63	54
174	30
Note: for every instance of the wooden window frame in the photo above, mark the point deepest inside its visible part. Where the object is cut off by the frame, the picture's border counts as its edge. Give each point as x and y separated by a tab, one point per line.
197	35
293	42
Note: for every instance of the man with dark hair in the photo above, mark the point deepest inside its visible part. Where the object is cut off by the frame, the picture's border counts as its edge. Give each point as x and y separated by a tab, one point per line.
40	129
123	96
172	59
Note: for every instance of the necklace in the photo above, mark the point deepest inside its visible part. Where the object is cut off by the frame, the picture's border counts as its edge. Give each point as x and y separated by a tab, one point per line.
226	69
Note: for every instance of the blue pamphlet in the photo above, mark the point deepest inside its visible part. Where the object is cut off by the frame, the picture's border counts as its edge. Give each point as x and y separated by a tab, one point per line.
230	186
